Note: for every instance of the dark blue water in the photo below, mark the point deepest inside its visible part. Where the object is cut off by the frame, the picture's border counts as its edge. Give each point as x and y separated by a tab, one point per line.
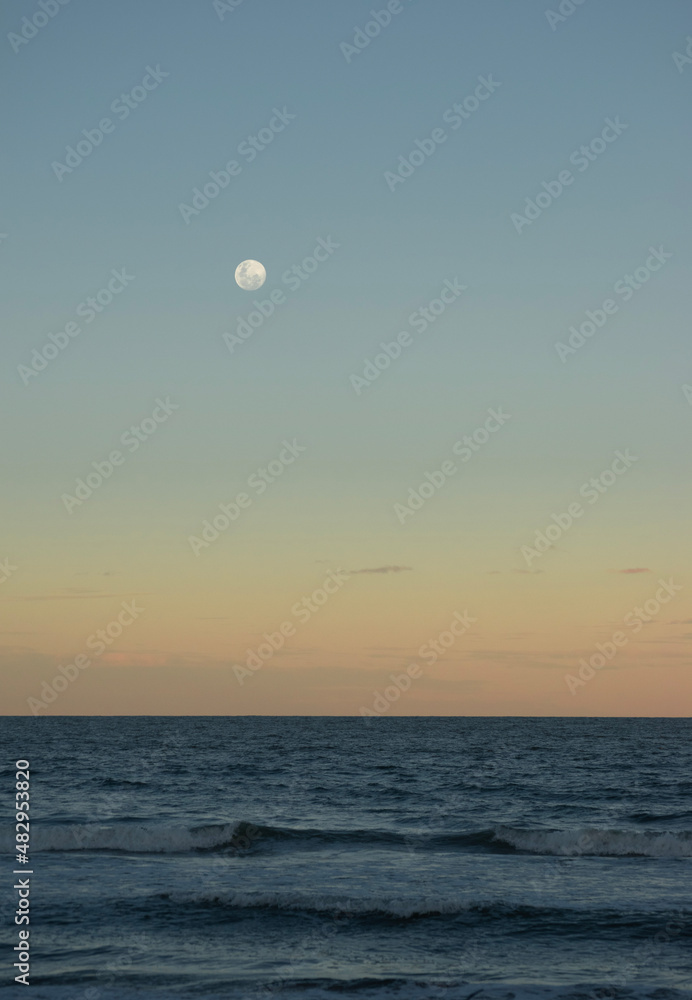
321	857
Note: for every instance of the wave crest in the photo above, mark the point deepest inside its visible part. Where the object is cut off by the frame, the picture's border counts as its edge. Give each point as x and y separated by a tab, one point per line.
600	843
343	908
137	838
243	837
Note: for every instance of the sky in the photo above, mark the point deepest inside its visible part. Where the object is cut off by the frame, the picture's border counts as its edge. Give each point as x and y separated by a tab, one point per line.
443	196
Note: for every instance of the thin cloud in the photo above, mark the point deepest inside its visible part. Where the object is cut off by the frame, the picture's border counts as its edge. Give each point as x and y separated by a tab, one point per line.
108	572
636	569
66	597
382	569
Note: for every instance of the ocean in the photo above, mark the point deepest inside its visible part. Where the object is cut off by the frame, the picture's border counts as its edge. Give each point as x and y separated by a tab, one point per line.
407	858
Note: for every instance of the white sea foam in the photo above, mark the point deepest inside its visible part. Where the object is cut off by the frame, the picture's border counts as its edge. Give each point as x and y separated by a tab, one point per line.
150	838
387	906
380	905
603	843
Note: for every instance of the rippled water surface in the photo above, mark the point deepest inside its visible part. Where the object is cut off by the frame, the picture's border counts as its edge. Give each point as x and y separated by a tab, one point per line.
317	857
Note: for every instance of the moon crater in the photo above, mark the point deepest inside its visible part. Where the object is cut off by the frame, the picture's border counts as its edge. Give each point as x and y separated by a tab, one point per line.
250	275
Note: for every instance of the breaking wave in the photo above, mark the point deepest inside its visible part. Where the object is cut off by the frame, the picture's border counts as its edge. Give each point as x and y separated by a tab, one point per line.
600	843
243	837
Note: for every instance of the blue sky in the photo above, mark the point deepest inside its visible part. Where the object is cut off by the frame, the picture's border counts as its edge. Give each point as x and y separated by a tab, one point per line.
324	175
321	177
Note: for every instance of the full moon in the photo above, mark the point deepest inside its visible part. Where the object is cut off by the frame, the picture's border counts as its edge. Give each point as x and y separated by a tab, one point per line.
250	275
